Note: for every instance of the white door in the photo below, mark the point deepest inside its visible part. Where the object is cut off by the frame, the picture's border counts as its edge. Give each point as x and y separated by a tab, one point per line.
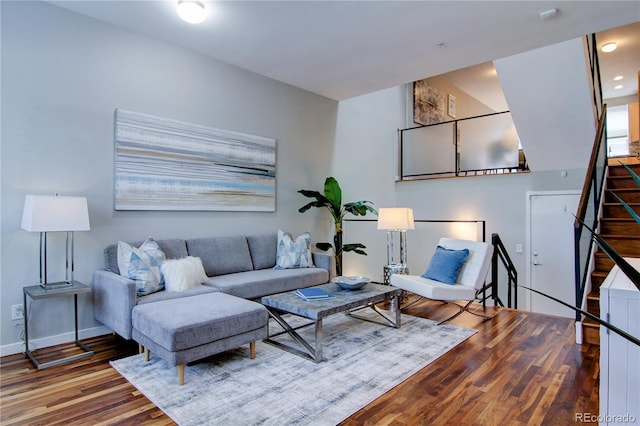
551	250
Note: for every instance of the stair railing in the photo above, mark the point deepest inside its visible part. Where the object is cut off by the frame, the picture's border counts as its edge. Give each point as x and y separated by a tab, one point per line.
435	150
594	67
500	254
588	212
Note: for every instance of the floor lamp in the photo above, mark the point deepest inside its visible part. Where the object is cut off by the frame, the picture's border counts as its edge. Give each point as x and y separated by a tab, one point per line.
395	219
53	213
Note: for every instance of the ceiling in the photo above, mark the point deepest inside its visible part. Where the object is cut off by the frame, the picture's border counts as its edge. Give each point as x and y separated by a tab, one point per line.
624	61
481	81
342	49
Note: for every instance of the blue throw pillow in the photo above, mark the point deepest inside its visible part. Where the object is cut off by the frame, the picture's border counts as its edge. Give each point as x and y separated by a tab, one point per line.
445	265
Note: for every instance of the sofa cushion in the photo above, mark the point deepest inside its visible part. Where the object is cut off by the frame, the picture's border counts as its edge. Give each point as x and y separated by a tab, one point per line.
432	289
255	284
221	255
198	320
263	250
142	264
168	295
173	249
182	274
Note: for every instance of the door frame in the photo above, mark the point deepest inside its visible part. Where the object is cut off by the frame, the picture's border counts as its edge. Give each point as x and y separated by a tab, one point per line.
527	296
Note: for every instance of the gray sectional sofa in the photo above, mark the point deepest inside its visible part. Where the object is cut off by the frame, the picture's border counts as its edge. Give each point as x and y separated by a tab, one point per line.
241	266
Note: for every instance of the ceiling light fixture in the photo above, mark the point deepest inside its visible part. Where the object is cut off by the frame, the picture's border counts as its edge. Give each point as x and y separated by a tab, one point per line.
618	78
618	87
609	47
192	11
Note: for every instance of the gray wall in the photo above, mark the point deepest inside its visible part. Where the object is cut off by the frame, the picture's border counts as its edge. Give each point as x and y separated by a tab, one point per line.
63	75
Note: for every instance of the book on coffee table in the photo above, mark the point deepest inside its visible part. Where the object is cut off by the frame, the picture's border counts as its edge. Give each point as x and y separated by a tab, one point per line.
313	293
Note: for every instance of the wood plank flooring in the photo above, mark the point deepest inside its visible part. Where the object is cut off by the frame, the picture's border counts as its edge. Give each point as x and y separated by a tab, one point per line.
520	368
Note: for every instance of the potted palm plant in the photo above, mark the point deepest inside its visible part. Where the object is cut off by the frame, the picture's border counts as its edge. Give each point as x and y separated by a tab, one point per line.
331	199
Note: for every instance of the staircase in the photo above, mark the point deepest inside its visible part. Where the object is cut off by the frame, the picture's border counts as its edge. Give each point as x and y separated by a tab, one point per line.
620	230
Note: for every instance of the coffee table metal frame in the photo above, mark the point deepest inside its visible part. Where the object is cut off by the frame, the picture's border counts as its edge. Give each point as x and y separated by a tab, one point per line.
345	301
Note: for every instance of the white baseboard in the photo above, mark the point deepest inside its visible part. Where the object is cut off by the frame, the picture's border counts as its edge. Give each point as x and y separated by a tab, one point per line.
43	342
578	332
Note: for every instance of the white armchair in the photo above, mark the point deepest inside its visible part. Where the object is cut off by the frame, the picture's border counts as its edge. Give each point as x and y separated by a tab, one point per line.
469	282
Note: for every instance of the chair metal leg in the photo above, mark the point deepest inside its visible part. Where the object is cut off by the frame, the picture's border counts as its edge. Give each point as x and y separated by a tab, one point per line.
463	309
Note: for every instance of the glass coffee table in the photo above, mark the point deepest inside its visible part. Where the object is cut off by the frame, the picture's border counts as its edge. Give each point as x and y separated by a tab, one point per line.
345	301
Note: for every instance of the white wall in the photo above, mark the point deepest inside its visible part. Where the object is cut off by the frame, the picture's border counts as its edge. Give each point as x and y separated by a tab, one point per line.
63	75
369	159
366	148
466	105
550	97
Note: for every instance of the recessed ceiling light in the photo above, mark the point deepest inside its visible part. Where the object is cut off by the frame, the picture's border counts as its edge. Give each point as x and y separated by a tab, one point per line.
618	78
192	11
609	47
618	87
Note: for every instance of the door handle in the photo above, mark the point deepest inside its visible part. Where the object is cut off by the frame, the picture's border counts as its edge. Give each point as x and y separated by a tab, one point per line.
535	263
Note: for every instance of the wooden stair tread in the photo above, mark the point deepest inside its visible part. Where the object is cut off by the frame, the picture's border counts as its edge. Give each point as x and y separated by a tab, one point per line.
623	252
618	177
618	228
588	322
616	203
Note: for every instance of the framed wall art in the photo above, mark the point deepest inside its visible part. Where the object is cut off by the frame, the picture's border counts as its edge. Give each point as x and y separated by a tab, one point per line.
428	104
165	164
451	106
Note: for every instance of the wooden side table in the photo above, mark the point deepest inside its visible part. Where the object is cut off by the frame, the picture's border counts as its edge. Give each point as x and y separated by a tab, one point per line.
36	292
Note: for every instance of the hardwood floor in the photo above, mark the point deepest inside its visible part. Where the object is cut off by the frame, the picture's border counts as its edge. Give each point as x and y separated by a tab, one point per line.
520	368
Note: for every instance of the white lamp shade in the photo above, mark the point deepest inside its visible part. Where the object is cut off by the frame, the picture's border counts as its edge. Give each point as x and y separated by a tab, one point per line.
50	213
395	219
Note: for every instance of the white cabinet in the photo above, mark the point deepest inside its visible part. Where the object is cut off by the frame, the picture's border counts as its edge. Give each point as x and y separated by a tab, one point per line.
619	358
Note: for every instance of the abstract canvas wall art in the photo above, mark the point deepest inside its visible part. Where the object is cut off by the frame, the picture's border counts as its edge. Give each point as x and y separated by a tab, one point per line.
164	164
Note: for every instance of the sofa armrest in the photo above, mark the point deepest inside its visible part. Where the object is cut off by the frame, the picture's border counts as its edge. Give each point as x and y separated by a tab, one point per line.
114	297
325	261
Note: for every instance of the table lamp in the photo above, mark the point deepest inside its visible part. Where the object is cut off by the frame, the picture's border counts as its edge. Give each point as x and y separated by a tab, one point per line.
53	213
395	219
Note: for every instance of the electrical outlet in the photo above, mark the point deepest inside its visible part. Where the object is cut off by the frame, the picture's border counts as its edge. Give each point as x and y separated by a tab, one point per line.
17	312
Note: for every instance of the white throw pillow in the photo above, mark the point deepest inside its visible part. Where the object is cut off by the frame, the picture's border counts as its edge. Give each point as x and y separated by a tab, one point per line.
142	264
293	253
183	274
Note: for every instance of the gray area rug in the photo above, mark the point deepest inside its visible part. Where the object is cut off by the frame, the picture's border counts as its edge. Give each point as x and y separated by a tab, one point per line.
361	362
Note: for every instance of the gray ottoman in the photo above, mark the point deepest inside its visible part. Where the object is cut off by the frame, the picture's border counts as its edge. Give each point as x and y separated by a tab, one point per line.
191	328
